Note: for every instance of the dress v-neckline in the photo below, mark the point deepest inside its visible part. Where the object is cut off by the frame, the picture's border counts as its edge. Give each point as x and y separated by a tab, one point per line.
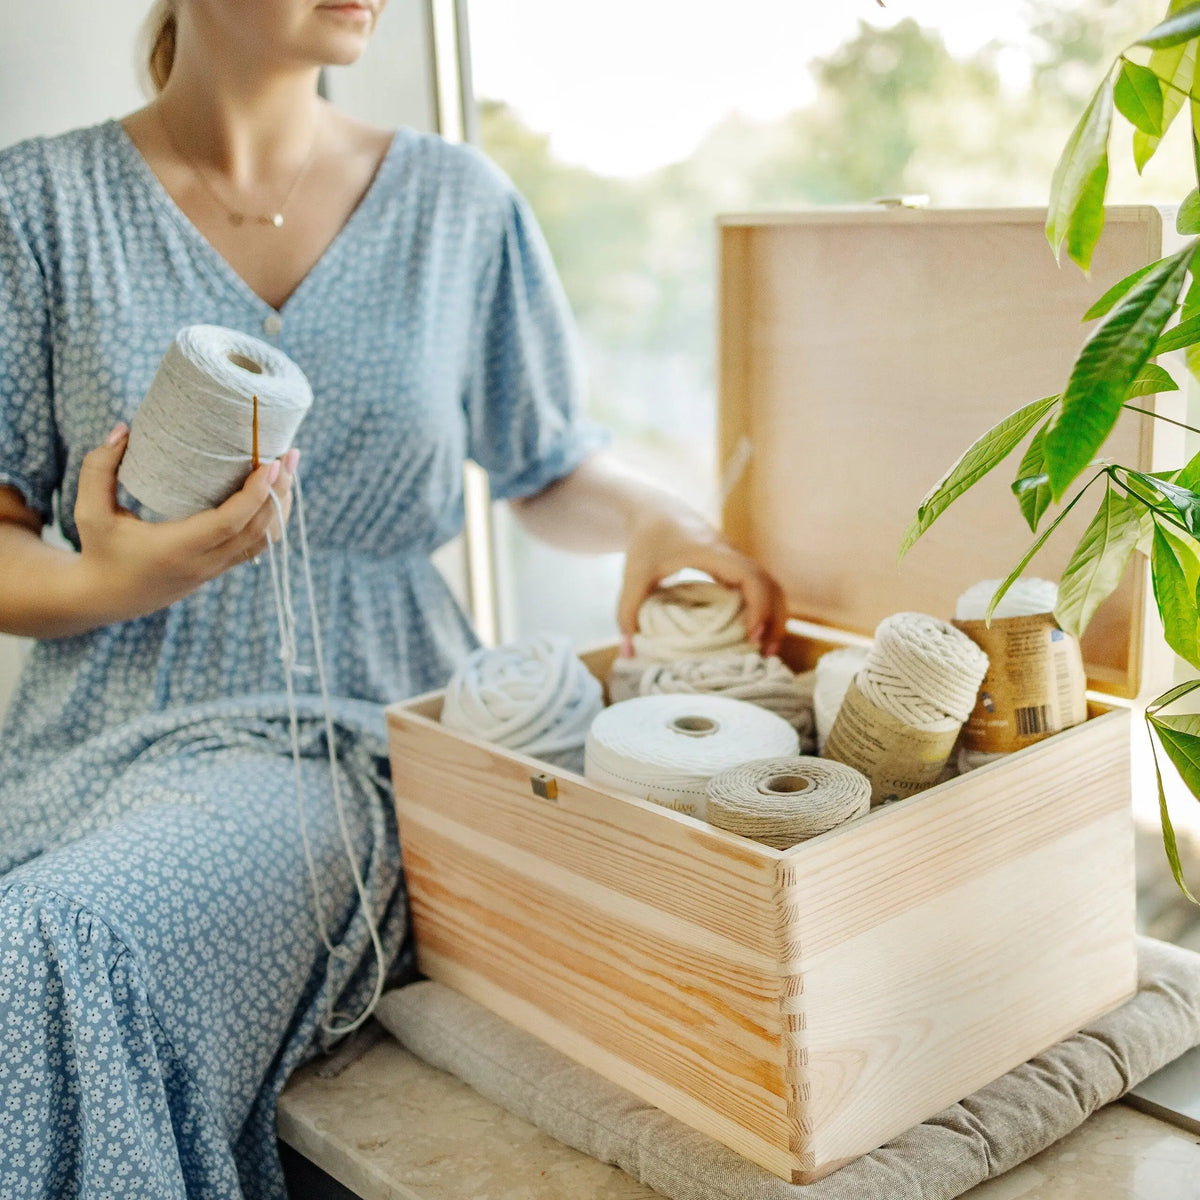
218	261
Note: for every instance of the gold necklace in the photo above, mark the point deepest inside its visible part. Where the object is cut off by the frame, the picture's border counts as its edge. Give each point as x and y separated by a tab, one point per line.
236	217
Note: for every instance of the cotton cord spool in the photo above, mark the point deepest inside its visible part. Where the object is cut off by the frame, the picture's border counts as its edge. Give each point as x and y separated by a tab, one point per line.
782	801
767	682
1037	683
190	448
666	748
532	695
904	708
190	440
834	672
696	619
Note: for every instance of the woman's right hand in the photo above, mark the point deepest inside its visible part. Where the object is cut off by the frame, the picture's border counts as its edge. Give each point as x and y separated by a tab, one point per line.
132	567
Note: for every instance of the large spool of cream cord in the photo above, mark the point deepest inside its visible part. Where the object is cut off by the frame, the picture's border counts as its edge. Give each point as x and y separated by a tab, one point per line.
696	619
192	439
1036	684
533	695
904	709
782	801
767	682
666	748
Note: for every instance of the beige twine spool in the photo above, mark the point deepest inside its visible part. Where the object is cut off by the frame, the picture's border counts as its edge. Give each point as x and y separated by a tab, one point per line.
834	672
782	801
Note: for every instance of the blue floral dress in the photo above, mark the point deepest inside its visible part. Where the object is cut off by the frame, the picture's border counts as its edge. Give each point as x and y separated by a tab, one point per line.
161	972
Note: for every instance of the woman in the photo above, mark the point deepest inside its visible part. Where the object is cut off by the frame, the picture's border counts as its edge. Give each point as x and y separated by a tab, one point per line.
160	969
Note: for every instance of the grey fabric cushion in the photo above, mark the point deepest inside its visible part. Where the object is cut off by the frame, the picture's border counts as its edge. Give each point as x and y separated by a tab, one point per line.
986	1134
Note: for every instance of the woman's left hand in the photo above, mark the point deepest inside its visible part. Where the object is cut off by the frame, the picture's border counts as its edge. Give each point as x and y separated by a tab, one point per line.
663	541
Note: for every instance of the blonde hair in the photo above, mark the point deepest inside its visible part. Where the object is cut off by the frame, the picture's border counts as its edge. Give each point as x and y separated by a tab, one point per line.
158	37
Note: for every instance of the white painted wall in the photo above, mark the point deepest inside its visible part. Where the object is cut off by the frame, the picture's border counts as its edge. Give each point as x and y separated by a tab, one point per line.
66	63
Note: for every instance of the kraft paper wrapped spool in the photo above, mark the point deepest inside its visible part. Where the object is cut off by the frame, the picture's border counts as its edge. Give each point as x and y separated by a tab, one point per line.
696	619
767	682
904	709
782	801
834	672
1036	684
666	748
191	439
532	695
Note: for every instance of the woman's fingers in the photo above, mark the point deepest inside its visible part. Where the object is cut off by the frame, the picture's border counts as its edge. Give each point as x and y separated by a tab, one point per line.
97	494
263	528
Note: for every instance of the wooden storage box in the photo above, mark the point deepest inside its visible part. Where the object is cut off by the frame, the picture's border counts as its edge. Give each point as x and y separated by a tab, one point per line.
805	1006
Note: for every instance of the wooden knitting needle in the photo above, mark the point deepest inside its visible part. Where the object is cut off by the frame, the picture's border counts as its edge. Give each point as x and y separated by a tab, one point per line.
254	438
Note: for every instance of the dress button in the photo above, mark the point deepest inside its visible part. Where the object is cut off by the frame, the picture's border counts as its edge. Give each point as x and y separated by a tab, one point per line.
272	324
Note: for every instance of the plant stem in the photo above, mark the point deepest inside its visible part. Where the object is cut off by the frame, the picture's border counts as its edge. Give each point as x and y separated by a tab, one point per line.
1159	417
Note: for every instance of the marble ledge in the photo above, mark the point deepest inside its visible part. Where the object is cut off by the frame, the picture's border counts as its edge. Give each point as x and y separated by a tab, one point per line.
391	1127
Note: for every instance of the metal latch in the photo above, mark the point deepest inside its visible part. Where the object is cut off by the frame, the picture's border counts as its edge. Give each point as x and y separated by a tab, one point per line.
545	786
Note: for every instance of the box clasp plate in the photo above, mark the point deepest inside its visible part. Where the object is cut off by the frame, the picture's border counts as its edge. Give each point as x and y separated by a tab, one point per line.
545	786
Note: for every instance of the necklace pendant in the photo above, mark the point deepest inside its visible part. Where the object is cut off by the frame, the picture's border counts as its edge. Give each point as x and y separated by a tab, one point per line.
275	219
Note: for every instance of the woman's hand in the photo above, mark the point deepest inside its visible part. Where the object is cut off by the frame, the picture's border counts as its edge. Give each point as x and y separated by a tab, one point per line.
665	539
133	567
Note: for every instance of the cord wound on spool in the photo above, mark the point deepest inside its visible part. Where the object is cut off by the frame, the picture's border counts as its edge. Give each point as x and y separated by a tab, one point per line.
903	711
782	801
1035	685
191	439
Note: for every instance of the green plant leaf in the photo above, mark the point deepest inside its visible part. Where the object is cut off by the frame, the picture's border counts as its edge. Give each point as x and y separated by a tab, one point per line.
1182	26
1186	333
1191	301
1076	213
1099	561
1183	748
978	459
1176	67
1174	569
1182	499
1189	476
1038	543
1187	219
1139	98
1107	366
1151	380
1032	485
1114	293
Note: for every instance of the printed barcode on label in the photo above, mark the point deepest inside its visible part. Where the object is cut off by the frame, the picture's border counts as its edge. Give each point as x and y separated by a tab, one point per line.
1035	719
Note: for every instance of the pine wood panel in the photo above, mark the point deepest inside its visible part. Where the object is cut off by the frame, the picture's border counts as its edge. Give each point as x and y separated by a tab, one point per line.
860	354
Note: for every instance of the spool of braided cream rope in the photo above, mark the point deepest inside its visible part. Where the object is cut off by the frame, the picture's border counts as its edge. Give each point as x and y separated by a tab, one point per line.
904	709
666	748
767	682
782	801
1036	684
689	620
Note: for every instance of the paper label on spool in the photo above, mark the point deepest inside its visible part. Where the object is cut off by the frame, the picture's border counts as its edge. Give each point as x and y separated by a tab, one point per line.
1034	685
898	759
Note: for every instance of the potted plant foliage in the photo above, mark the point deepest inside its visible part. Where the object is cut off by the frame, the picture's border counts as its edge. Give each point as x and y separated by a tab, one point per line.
1153	82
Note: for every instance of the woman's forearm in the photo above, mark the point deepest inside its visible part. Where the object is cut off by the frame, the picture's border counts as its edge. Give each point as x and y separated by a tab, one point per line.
43	590
601	507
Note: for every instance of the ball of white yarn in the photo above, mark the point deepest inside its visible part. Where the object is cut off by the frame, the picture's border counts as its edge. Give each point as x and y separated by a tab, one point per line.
532	695
687	620
835	670
782	801
191	439
1025	598
923	671
767	682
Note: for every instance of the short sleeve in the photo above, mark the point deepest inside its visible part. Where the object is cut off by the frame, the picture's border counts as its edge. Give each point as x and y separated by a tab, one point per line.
525	398
29	458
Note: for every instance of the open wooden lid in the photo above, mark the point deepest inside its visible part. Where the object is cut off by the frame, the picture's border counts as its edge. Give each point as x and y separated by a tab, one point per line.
861	352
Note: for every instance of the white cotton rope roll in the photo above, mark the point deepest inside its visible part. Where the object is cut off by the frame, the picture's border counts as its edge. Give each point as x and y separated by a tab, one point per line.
834	672
532	695
782	801
767	682
666	748
1026	598
191	440
922	671
696	619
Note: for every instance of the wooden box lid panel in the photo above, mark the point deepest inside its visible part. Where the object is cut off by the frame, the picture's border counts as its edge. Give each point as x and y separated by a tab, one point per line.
860	353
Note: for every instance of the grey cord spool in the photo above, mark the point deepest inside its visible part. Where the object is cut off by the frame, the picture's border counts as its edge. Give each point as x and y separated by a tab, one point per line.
782	801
